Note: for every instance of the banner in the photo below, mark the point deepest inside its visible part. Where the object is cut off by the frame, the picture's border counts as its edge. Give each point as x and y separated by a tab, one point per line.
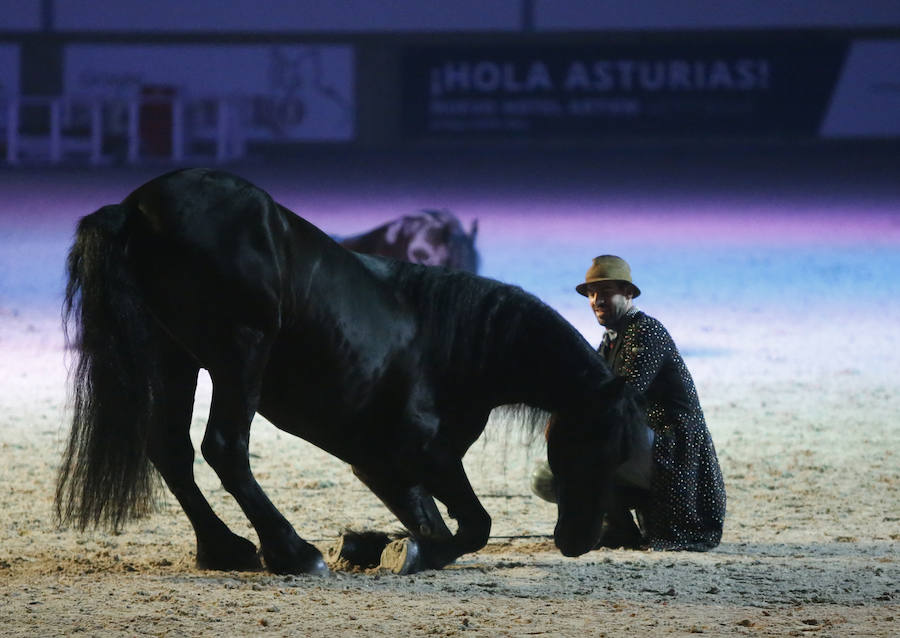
284	93
687	88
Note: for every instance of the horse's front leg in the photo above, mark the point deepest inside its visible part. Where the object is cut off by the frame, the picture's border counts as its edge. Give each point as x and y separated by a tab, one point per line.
449	484
236	391
431	544
413	506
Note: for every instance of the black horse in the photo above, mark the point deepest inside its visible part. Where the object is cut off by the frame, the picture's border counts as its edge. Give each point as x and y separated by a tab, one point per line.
392	367
430	237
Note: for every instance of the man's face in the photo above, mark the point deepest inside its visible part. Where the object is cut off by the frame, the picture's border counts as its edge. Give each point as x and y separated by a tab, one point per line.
609	300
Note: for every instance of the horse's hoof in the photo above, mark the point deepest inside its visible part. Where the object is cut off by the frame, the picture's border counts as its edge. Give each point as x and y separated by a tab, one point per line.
358	549
307	560
402	557
317	567
235	554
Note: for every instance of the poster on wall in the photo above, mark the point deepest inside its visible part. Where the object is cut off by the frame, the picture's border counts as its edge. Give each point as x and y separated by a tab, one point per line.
670	88
283	93
9	70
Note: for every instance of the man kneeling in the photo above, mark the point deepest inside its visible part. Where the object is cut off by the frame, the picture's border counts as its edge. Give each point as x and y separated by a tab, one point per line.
672	480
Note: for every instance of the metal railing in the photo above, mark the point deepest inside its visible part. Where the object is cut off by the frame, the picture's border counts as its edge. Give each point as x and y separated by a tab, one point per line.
99	130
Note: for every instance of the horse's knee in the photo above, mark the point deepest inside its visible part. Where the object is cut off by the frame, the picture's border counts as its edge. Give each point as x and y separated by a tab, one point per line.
229	459
475	531
484	530
362	476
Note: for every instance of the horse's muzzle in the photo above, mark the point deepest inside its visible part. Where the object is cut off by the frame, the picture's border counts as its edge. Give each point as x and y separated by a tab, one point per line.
574	538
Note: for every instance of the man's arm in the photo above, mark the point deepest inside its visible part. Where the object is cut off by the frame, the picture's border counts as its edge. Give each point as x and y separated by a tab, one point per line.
644	352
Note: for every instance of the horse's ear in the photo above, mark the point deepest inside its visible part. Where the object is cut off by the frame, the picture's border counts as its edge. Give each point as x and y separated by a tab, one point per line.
474	230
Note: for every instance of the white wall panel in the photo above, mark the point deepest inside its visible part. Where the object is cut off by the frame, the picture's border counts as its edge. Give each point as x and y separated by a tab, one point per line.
20	15
703	14
299	15
866	101
288	93
9	69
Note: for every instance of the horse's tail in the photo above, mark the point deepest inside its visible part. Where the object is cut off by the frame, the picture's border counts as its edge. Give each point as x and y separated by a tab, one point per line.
105	477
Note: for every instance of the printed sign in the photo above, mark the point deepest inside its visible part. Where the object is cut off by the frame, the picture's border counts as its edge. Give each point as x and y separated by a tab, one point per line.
675	89
283	93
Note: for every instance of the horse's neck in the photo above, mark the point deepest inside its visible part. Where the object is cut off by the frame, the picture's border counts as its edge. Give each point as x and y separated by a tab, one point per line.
494	342
549	364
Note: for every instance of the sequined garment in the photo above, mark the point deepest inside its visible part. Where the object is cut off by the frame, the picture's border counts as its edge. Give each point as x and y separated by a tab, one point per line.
687	500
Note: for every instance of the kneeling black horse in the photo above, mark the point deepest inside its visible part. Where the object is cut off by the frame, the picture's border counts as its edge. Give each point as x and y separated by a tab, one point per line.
392	367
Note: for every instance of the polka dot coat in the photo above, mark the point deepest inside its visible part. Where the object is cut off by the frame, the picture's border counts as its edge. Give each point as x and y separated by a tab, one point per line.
687	502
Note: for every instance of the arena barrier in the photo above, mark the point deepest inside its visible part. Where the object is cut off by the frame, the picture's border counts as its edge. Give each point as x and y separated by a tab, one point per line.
56	129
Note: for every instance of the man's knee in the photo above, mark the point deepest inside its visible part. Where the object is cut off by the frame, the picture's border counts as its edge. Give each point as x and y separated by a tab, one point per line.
542	482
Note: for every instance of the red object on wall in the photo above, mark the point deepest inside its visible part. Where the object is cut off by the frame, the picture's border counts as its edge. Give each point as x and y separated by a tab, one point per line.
156	119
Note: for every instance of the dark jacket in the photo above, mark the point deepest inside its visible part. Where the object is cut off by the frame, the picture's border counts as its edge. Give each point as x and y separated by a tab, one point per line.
687	500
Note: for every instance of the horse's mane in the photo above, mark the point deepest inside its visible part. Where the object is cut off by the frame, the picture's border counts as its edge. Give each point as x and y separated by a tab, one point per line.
472	323
463	314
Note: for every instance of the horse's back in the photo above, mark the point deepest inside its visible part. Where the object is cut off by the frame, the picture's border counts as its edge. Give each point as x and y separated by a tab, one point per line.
219	257
202	205
209	251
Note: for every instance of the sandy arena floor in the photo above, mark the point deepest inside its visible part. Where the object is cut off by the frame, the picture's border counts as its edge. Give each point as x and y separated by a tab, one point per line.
779	281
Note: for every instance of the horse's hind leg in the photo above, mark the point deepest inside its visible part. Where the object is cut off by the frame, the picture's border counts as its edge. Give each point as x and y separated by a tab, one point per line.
172	454
237	383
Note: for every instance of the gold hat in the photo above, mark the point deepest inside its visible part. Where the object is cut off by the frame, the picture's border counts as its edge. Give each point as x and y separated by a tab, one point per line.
607	268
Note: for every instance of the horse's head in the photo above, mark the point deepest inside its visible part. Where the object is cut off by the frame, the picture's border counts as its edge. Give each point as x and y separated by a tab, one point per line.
437	238
429	237
585	445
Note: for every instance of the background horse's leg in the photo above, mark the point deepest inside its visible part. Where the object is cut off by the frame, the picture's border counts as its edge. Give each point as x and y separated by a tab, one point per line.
237	381
172	453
